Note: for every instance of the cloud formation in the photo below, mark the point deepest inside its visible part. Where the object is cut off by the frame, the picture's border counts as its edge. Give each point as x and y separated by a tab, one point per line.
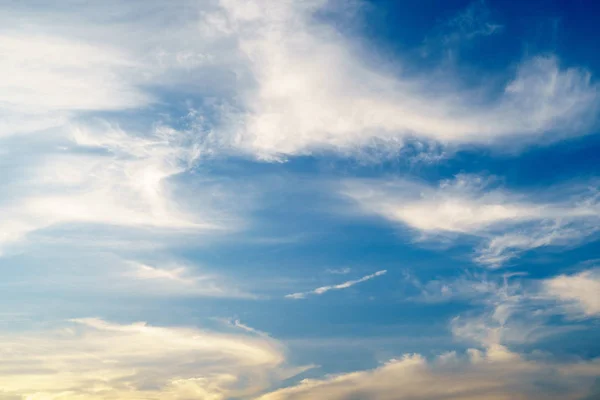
494	374
507	222
268	67
300	107
94	359
108	176
325	289
580	291
172	279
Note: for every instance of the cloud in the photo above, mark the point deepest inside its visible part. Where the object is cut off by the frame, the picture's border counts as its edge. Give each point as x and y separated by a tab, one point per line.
94	359
474	22
508	222
106	270
268	70
236	323
504	309
172	279
493	374
580	291
338	271
106	175
345	285
299	106
510	311
477	287
47	79
46	73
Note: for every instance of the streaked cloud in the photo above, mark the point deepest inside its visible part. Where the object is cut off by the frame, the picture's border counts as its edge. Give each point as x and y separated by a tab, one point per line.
172	279
362	105
338	271
507	222
476	21
95	359
325	289
124	182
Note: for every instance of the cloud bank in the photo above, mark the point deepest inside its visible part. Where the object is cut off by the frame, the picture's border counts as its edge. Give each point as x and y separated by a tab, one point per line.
494	374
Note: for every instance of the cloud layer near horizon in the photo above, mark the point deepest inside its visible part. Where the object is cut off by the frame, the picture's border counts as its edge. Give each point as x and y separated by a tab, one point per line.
94	359
495	374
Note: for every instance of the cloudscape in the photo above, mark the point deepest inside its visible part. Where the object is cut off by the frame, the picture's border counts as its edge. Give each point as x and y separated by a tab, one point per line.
299	200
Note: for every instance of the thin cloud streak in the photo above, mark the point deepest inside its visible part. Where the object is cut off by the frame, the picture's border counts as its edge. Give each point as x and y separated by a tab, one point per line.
325	289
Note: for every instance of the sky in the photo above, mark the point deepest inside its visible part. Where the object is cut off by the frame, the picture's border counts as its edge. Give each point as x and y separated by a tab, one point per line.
299	199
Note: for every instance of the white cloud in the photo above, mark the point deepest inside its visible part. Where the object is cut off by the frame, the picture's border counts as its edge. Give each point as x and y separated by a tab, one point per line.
172	279
581	291
68	62
123	181
95	359
508	310
324	289
514	312
477	287
317	91
286	83
236	323
509	222
496	374
45	73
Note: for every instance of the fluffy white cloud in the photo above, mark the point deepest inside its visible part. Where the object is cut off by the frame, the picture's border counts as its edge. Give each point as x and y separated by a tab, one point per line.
581	291
494	374
509	222
95	359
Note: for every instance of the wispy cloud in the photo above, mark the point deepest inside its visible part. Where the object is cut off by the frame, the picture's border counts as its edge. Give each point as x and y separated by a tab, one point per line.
236	323
363	106
508	223
280	59
512	311
325	289
105	175
495	373
474	22
579	292
172	279
94	359
338	271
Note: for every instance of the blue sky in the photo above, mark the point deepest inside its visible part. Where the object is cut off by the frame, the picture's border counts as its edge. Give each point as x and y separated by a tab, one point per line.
289	200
